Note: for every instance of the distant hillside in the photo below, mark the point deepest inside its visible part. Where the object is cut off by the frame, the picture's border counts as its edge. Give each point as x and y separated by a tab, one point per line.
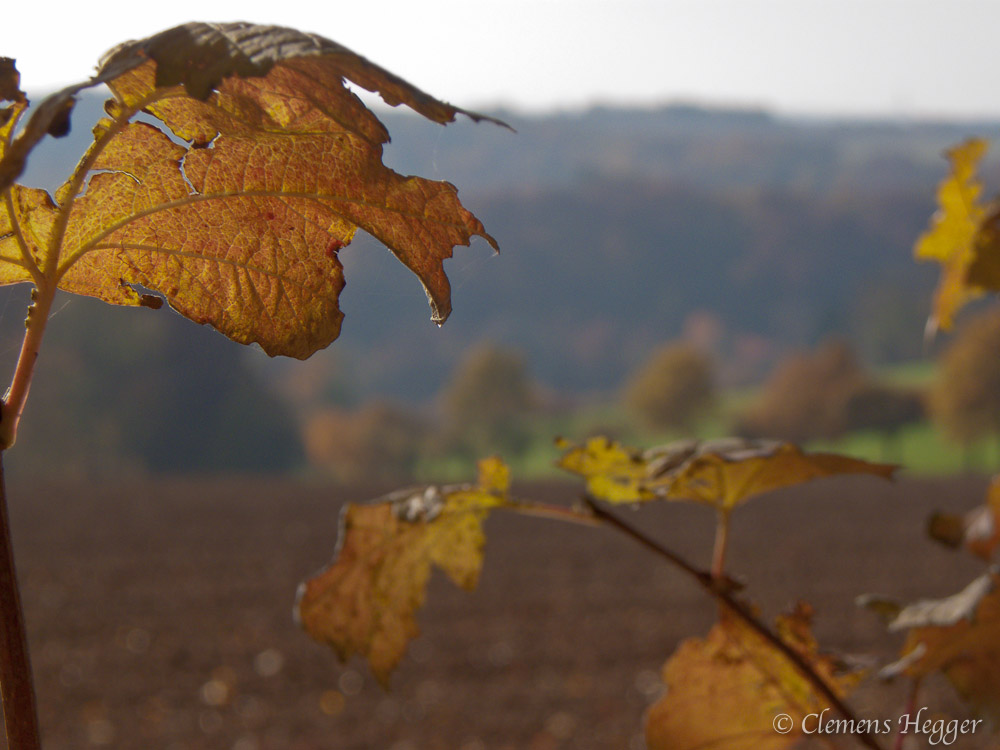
717	149
713	149
623	228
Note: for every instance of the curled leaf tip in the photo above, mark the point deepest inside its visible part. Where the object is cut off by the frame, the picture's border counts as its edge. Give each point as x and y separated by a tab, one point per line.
10	81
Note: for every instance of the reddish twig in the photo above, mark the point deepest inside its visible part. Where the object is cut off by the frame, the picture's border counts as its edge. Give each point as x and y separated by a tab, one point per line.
911	707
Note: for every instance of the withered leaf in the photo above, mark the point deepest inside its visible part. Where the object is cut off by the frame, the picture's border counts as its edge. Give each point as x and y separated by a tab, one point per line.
366	601
237	216
721	473
728	473
725	691
958	636
978	530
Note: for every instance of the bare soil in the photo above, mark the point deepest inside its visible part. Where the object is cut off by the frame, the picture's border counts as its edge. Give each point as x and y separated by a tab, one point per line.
160	614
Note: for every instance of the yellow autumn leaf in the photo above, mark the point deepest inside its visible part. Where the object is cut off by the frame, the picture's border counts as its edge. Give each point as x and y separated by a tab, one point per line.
951	237
366	601
19	201
731	689
721	473
727	473
612	471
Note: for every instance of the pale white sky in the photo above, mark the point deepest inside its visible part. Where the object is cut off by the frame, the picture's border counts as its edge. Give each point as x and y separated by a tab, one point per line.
872	57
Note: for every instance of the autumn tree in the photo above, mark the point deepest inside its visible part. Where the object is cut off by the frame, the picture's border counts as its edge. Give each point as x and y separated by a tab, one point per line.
883	409
380	441
672	389
806	395
487	400
965	399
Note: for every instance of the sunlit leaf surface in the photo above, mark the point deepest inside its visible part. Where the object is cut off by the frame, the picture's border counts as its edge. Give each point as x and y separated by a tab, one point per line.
235	205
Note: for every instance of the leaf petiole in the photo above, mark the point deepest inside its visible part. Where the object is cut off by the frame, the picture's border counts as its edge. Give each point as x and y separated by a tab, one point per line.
13	402
721	543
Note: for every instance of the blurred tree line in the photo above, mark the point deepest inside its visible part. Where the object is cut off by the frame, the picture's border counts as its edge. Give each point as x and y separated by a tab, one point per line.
155	393
965	399
485	407
148	392
825	394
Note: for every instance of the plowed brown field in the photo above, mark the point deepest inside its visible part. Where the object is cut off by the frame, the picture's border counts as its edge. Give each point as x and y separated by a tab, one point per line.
160	614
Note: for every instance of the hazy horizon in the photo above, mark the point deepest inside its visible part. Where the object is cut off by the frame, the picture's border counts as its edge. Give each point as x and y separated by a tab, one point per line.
843	58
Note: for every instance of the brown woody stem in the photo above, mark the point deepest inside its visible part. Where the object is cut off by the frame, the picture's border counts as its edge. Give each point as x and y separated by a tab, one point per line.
721	591
16	685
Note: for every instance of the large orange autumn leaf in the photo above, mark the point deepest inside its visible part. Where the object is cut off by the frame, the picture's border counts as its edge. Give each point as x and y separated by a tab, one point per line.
732	690
366	601
236	211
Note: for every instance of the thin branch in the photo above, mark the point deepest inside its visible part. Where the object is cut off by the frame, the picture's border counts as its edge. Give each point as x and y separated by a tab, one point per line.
554	512
723	594
16	685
